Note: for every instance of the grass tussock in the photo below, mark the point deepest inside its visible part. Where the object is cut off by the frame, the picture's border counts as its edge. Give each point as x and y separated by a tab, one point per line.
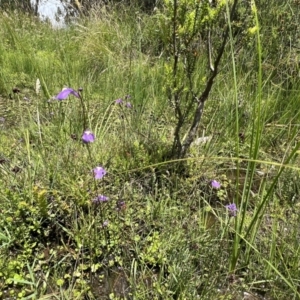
141	231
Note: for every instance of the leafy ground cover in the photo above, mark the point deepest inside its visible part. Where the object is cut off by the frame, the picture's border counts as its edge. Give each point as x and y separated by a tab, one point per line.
91	208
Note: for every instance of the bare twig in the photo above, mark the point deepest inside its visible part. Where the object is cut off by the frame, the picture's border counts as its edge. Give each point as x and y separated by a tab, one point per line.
204	96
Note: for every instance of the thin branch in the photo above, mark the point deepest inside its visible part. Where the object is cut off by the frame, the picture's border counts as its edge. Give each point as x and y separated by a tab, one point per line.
203	97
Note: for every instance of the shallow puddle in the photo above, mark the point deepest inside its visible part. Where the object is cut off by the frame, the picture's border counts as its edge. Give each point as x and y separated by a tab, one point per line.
110	281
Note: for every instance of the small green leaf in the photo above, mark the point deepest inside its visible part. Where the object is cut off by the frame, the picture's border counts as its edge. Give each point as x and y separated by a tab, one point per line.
60	282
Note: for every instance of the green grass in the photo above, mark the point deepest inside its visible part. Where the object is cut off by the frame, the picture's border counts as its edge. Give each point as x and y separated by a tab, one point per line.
173	237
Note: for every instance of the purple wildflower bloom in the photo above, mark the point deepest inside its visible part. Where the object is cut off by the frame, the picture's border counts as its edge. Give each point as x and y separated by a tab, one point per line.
88	137
215	184
99	172
232	209
100	198
128	104
105	223
65	93
119	101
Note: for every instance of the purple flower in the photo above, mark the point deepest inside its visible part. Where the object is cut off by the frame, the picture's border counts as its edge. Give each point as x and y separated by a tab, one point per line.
128	104
119	101
105	223
215	184
65	93
100	198
99	172
88	137
232	209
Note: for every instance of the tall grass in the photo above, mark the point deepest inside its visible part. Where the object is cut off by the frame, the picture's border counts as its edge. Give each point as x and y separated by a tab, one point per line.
167	236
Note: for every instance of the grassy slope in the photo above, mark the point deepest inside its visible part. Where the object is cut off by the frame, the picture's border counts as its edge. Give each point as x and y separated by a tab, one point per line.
173	237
